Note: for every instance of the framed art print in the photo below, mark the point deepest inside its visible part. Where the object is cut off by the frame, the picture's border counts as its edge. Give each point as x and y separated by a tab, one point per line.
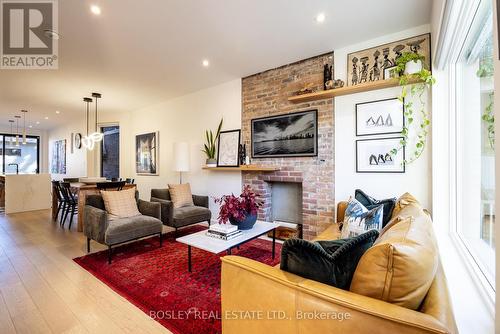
146	153
379	117
289	135
373	156
228	149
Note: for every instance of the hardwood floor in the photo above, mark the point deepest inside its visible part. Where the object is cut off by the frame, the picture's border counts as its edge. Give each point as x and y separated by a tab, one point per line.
43	291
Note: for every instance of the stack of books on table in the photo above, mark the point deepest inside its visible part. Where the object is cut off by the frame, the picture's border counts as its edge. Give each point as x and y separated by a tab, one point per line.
223	231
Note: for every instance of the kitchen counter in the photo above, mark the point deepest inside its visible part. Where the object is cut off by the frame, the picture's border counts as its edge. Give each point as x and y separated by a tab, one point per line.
26	192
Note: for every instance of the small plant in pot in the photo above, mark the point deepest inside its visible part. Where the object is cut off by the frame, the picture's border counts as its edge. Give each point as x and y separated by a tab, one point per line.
240	211
210	146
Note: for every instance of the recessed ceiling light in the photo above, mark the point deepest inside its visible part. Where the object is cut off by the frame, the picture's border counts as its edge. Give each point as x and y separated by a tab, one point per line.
205	63
46	117
58	112
320	18
96	10
51	34
31	126
37	122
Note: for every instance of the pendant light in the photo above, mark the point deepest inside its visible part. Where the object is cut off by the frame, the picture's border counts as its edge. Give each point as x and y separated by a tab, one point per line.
97	135
24	126
87	142
17	129
11	133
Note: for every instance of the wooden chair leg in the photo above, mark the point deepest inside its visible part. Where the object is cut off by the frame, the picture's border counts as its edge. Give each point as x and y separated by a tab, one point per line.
73	209
88	245
62	214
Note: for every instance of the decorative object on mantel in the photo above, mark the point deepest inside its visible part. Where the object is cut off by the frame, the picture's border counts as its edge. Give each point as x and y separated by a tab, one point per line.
228	148
210	145
243	154
368	65
240	211
181	158
307	89
146	153
374	156
327	76
289	135
419	83
379	117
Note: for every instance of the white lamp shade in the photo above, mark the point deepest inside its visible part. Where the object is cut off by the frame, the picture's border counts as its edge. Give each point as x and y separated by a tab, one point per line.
181	157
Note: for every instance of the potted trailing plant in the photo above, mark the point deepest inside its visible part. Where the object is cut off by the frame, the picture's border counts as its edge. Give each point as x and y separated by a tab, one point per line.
414	85
210	146
240	211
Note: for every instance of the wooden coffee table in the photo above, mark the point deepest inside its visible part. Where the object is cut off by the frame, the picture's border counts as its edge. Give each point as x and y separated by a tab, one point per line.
213	245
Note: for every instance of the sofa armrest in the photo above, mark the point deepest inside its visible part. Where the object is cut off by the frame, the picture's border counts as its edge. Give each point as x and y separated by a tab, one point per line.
200	201
152	209
341	206
95	223
249	286
167	210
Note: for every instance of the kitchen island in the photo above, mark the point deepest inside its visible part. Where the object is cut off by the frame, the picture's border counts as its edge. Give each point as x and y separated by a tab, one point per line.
26	192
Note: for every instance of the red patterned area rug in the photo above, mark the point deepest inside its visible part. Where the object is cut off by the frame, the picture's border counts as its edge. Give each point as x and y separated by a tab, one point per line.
158	282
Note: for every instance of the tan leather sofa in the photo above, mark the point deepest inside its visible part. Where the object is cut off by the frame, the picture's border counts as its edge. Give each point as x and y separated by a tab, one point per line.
257	298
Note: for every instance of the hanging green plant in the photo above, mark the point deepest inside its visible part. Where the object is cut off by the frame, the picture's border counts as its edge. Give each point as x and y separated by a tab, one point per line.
414	85
486	71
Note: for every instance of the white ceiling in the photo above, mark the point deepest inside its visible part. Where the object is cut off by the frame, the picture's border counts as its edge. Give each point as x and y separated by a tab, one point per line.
138	53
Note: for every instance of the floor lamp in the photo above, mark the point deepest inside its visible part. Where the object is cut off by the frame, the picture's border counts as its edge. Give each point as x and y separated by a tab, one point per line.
181	158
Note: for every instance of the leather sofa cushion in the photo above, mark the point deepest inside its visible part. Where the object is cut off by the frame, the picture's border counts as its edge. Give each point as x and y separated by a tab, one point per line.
403	201
125	229
191	214
401	265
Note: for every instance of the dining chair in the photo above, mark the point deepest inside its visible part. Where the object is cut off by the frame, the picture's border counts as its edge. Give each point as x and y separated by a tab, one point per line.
61	202
110	185
129	181
71	179
71	203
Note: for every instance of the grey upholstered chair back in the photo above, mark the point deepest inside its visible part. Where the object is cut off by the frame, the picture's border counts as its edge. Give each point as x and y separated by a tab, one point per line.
161	194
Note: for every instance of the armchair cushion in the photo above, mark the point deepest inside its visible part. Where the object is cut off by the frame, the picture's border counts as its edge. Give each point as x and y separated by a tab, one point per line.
181	195
126	229
191	215
330	262
120	203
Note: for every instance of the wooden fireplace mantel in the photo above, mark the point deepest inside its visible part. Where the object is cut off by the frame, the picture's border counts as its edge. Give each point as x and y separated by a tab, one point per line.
245	168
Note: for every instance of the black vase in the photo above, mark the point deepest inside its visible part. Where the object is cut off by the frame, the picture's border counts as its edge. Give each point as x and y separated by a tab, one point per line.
245	224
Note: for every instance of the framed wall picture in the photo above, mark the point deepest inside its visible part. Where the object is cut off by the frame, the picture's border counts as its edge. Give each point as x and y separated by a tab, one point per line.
58	161
290	135
146	153
390	73
379	117
369	65
373	156
228	149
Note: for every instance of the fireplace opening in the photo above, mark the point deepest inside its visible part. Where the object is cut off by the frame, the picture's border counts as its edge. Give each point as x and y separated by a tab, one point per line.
286	208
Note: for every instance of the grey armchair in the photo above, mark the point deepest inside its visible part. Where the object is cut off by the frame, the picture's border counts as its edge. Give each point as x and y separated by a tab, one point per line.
181	217
98	227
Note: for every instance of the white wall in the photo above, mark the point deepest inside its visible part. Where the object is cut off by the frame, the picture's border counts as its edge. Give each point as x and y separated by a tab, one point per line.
182	119
76	162
416	180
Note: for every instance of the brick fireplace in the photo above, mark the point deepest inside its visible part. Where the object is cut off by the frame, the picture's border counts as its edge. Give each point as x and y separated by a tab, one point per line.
265	94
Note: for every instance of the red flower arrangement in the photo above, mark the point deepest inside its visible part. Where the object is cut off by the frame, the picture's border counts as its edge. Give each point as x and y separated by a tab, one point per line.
238	208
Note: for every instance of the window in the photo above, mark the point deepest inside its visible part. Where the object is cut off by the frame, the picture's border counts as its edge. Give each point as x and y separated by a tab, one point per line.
22	157
475	145
110	152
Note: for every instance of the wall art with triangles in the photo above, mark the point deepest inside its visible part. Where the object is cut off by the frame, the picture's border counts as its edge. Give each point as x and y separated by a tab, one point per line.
380	117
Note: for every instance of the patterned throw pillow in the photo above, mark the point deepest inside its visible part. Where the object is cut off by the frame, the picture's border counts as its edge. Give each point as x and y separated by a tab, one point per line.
181	195
359	219
121	204
371	203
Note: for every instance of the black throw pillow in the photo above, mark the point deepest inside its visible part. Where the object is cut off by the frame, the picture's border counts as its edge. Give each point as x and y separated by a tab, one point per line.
330	262
371	203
